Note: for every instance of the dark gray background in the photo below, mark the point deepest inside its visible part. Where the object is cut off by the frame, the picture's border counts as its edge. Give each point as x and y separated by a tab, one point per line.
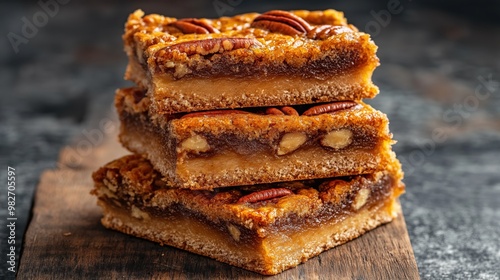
436	59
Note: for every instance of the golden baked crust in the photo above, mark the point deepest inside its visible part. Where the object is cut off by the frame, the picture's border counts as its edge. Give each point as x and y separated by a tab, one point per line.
324	213
334	65
217	149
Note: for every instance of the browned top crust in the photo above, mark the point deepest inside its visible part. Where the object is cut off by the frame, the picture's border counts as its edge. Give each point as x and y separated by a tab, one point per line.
301	43
132	179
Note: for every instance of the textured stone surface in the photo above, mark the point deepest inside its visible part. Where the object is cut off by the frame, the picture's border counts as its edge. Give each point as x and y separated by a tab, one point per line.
60	86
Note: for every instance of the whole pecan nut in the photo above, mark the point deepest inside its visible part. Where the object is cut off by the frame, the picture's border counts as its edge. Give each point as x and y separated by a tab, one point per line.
193	25
281	22
324	31
290	111
274	111
286	110
264	195
329	108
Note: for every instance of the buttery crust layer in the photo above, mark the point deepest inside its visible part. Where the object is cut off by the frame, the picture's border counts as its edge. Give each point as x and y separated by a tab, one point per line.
267	236
181	68
223	149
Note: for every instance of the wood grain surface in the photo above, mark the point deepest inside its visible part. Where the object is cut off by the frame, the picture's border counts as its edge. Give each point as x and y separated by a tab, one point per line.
65	240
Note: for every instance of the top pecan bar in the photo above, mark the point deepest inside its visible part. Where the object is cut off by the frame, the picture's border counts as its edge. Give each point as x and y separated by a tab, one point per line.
270	59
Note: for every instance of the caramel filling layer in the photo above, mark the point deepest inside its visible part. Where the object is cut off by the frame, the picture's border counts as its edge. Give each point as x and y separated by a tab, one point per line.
332	63
287	167
196	94
232	92
246	143
199	163
269	255
184	232
349	198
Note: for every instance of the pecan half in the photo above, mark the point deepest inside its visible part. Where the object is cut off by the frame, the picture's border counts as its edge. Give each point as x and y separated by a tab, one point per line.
213	113
337	139
195	144
264	195
290	111
324	31
290	142
329	108
281	22
213	45
361	198
286	110
193	25
274	111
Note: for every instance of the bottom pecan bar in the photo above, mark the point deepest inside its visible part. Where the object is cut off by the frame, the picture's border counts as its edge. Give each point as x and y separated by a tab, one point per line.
263	228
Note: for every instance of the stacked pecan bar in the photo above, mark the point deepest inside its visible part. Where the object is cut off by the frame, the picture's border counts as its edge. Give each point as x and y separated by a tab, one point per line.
251	141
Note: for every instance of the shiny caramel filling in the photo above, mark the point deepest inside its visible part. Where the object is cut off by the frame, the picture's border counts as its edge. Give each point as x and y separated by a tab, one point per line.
239	158
187	232
334	141
267	234
243	92
228	162
226	66
234	160
171	95
307	242
340	197
239	234
226	241
244	142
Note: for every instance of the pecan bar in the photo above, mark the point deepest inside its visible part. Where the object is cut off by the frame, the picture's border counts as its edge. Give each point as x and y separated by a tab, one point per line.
221	148
262	228
250	60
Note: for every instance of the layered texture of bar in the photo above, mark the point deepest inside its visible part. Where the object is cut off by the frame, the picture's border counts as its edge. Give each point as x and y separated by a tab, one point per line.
272	59
221	148
263	228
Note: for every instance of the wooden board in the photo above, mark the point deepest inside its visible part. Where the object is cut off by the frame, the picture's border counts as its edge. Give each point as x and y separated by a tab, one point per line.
65	239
